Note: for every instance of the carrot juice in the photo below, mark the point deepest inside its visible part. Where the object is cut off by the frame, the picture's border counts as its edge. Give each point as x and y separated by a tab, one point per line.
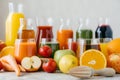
24	48
63	36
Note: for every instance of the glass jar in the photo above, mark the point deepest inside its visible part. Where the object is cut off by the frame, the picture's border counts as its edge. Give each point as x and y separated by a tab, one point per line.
24	48
84	31
64	33
44	30
103	30
26	30
53	44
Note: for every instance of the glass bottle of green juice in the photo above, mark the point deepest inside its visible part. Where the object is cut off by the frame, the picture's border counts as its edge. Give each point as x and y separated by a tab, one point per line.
84	31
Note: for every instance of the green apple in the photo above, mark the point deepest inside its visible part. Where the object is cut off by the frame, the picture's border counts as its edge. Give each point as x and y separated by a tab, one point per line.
60	53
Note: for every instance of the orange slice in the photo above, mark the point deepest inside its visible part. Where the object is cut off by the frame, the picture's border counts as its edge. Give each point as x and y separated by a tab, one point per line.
7	50
94	59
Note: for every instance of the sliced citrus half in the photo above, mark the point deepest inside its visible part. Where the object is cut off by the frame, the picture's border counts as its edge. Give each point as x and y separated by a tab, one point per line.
7	50
94	59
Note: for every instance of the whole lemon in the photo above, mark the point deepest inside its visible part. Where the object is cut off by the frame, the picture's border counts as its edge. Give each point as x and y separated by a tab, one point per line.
67	62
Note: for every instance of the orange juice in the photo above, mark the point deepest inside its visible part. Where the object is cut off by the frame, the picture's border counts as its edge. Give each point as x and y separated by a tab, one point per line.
63	36
12	25
103	47
24	48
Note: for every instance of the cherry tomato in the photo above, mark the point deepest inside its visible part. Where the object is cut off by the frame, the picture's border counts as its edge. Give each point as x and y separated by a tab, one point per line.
45	51
49	65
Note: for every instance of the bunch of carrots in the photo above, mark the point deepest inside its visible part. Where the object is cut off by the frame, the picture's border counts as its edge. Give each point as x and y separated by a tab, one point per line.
9	64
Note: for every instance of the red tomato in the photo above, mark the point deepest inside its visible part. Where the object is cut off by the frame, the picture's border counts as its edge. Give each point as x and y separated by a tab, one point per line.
45	51
49	65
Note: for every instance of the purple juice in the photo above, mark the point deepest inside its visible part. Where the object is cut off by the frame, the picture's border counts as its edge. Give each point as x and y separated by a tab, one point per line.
103	31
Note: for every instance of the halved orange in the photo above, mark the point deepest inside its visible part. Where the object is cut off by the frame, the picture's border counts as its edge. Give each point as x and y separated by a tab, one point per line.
94	59
7	50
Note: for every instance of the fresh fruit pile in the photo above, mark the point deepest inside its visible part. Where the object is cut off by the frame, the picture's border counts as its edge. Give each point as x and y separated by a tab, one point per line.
64	60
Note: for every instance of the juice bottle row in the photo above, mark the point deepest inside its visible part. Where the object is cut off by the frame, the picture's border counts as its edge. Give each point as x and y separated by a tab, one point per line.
22	33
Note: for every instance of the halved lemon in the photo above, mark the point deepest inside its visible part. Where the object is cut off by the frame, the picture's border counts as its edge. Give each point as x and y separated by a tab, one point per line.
7	50
94	59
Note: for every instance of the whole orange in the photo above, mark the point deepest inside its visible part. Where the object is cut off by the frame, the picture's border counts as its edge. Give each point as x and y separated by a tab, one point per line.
114	61
114	46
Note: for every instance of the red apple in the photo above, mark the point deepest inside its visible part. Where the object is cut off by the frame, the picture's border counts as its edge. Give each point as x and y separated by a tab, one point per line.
49	65
114	61
1	66
45	51
2	45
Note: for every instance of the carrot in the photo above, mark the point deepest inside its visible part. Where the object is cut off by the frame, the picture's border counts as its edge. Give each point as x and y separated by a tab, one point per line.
6	66
10	60
21	68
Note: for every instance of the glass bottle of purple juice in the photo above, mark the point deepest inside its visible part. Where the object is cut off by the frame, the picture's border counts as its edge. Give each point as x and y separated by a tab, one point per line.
103	30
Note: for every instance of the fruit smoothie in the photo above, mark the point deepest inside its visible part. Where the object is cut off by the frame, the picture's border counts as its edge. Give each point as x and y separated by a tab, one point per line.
63	36
24	48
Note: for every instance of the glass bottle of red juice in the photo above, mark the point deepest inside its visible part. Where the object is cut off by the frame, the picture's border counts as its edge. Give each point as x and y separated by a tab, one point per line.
103	30
44	30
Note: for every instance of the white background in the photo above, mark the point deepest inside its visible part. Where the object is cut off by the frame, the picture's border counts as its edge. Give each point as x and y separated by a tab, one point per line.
72	9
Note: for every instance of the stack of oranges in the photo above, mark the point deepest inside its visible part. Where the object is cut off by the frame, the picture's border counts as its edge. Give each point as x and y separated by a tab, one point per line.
114	54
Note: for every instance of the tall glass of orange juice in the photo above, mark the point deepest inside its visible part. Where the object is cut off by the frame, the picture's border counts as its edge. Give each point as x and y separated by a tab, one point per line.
103	45
24	48
63	34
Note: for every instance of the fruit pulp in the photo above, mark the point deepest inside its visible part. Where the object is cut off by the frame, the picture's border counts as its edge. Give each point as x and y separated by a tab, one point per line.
24	48
63	36
104	31
12	26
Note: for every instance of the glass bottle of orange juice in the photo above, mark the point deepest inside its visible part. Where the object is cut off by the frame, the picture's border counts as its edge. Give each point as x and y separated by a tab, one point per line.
13	23
26	30
25	45
64	33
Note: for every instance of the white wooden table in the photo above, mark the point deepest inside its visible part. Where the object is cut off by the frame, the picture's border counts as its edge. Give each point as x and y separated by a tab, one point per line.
49	76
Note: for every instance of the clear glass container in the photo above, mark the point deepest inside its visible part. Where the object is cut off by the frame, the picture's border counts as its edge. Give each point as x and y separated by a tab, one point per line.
24	48
84	31
64	33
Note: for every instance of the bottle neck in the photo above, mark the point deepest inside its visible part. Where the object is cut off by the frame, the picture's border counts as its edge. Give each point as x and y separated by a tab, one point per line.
11	7
20	8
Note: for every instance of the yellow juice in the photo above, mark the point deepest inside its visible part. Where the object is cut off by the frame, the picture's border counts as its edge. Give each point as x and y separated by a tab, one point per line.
103	47
12	26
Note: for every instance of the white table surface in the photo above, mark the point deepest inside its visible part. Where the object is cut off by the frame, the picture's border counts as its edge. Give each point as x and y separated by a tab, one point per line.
49	76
